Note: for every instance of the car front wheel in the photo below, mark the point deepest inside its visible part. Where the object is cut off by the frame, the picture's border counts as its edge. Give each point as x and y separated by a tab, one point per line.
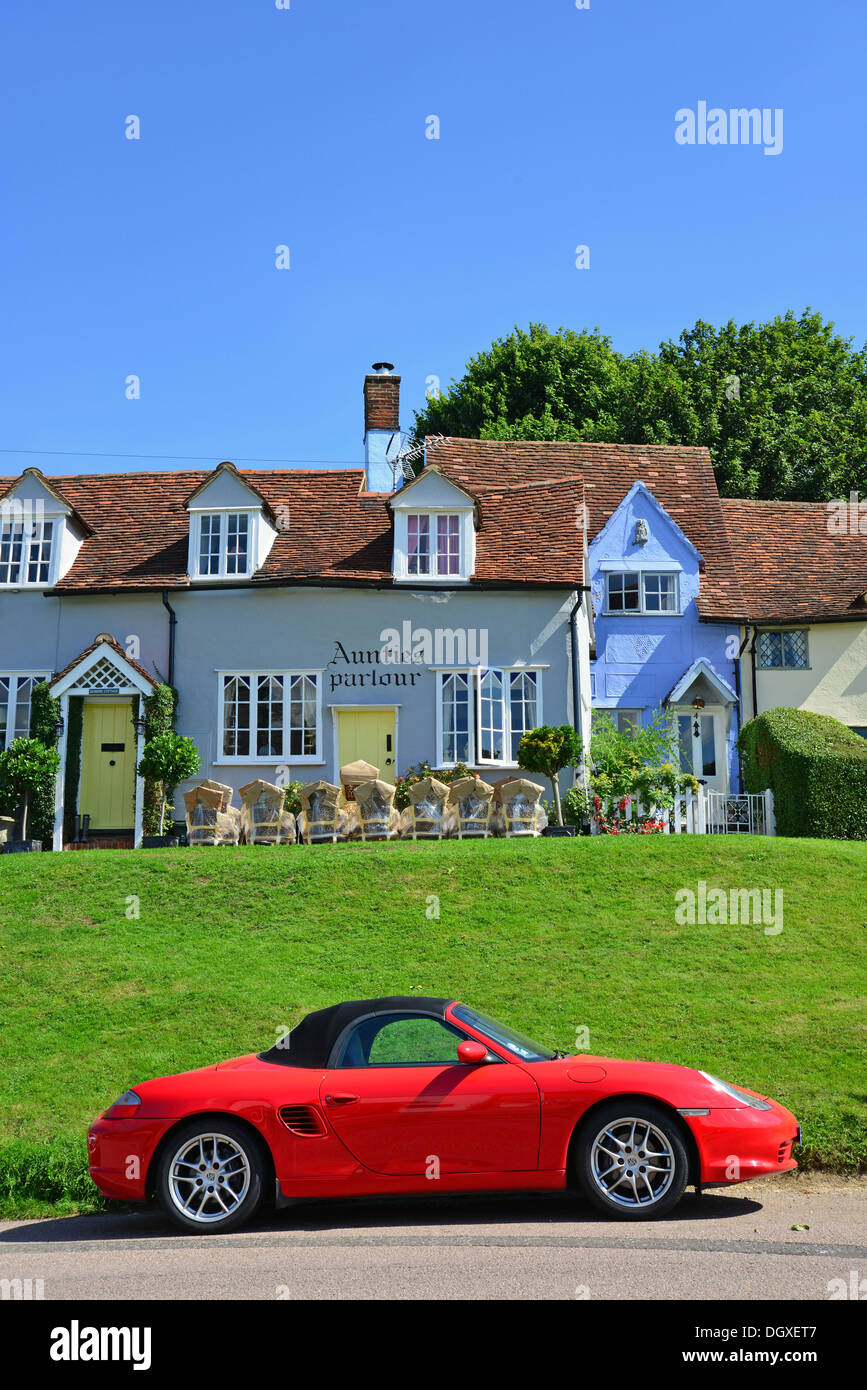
631	1160
210	1176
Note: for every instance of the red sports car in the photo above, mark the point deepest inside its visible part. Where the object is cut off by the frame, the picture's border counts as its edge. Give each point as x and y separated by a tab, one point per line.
410	1095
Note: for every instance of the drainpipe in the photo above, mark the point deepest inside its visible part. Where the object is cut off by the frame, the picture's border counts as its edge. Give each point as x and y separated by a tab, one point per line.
753	669
576	669
173	622
739	711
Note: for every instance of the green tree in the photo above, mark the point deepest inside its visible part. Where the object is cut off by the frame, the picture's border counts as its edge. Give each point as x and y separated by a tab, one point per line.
781	405
24	768
548	750
168	759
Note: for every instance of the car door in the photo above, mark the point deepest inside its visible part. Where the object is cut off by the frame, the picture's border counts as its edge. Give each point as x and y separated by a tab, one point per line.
403	1104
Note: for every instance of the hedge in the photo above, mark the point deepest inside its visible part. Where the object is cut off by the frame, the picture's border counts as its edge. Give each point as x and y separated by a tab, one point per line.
816	768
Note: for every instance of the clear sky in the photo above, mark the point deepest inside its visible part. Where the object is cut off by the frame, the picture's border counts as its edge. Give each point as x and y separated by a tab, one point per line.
306	127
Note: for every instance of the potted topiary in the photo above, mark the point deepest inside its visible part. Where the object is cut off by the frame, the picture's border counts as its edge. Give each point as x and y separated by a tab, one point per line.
168	759
549	750
24	767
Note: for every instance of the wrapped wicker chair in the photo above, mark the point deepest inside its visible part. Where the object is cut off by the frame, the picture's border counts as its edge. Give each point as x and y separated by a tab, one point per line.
377	818
211	819
424	817
353	774
519	812
263	818
472	802
321	817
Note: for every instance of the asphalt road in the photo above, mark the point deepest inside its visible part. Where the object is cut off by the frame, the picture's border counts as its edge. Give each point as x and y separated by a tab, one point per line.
740	1243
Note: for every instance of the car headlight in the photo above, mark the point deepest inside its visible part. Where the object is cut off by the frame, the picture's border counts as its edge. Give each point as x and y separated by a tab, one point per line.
124	1107
742	1097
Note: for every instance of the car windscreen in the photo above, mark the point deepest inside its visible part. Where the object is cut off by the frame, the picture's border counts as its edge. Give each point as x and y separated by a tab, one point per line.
507	1037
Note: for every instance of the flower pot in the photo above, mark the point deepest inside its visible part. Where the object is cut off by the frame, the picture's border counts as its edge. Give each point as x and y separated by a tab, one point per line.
559	830
160	842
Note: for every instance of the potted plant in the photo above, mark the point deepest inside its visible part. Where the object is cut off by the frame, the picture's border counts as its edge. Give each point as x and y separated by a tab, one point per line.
24	767
549	749
168	759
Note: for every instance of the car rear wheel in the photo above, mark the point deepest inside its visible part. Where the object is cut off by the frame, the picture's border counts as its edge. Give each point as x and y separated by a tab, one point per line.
210	1176
631	1160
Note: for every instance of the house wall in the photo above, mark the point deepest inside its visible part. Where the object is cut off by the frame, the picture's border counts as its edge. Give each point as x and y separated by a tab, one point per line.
640	656
327	629
835	682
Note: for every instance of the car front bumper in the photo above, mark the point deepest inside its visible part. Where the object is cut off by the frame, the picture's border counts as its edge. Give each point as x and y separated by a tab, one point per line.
119	1154
740	1143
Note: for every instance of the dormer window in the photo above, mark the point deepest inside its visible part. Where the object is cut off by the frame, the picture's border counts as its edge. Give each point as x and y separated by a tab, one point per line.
224	544
26	552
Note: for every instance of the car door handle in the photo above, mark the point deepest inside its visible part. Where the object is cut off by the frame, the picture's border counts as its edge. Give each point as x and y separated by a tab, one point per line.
340	1098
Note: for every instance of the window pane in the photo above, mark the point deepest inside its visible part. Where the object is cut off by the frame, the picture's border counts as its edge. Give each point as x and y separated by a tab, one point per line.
659	593
770	649
4	709
492	717
302	717
448	545
395	1042
794	649
419	545
708	747
237	543
11	546
21	722
684	742
269	717
623	593
209	545
522	706
456	718
236	716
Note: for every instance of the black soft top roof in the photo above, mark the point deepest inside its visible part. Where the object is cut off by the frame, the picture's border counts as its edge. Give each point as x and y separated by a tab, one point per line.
311	1042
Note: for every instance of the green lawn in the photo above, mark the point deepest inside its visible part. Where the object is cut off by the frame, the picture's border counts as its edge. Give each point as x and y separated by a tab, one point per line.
232	946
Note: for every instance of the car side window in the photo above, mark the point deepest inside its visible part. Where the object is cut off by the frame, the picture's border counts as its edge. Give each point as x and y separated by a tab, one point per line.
400	1040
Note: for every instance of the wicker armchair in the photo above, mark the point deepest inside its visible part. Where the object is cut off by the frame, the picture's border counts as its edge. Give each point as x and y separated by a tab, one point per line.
425	816
263	818
471	799
211	819
353	774
519	812
321	817
377	818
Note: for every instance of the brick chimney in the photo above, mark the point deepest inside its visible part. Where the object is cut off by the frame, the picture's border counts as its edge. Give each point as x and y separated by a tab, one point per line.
381	425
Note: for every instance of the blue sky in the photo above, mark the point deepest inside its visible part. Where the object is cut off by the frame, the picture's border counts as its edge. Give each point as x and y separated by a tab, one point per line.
306	127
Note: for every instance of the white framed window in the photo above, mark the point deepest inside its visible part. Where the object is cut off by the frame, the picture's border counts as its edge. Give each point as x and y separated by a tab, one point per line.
16	692
783	651
484	713
270	716
432	545
222	545
26	552
645	591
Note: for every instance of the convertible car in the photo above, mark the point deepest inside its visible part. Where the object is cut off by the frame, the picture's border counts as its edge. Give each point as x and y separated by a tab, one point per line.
412	1095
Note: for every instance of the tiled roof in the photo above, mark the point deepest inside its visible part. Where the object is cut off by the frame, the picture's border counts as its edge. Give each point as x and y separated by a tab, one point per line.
330	530
680	478
791	565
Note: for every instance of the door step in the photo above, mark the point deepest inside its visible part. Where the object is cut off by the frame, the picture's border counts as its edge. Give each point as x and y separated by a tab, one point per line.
104	839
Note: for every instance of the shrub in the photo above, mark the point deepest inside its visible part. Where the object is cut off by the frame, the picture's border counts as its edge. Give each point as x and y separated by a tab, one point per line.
419	772
159	714
168	759
25	767
816	768
291	799
44	714
549	749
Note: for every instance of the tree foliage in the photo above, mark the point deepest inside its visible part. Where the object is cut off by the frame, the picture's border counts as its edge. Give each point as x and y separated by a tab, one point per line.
781	405
548	750
168	759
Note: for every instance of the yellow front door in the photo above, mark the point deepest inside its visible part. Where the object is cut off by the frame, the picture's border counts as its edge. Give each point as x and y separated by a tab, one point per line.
108	766
367	734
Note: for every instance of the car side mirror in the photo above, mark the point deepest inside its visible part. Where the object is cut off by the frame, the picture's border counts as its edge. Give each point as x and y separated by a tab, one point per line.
472	1052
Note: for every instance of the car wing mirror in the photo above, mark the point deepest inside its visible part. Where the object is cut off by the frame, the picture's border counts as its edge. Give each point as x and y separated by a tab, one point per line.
472	1052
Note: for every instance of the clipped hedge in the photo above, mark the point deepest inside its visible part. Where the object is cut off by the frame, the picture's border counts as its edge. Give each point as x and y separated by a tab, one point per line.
816	768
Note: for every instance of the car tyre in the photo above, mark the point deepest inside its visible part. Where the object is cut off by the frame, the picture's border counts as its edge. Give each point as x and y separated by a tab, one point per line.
210	1177
630	1160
